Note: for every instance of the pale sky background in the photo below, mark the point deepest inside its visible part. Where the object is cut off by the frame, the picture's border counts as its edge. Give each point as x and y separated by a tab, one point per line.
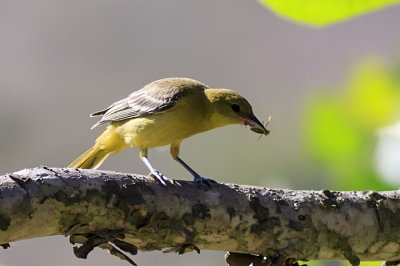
62	60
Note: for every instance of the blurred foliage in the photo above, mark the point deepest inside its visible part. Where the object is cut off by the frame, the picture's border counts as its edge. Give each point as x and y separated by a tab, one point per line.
368	263
364	263
340	129
323	12
340	263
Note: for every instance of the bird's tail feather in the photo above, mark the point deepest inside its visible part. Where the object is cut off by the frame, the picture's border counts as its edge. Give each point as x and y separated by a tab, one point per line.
92	158
109	142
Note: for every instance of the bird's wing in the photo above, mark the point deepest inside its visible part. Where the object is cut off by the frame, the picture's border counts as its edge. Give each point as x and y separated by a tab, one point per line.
156	97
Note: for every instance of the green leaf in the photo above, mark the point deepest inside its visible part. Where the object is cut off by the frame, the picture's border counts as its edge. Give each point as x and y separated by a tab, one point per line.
324	12
373	95
332	134
340	128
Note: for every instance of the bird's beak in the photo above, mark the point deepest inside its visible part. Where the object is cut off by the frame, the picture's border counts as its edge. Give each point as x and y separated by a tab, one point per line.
255	124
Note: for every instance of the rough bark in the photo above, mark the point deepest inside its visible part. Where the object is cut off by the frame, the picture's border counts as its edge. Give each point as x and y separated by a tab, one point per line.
126	212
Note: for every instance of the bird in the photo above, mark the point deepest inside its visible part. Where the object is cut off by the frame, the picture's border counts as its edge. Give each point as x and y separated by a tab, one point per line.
165	112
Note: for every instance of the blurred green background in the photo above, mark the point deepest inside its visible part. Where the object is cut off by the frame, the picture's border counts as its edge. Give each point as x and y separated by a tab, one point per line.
333	94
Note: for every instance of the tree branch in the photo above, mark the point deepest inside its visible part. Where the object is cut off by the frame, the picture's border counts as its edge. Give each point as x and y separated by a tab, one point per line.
126	212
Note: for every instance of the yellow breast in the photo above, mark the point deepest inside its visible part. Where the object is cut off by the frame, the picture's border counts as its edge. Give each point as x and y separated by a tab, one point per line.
187	118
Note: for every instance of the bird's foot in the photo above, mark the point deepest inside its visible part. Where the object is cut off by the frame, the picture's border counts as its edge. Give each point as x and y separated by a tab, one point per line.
207	181
161	178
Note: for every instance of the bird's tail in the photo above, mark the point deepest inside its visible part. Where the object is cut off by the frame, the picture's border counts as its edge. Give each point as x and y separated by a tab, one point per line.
92	158
106	144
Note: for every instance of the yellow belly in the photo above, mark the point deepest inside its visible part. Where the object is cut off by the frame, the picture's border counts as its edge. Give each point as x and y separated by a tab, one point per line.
158	129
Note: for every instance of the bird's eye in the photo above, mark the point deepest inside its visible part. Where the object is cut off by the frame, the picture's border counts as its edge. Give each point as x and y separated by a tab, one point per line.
235	108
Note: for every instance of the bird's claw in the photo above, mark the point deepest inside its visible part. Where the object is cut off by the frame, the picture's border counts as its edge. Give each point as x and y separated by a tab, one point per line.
161	178
207	181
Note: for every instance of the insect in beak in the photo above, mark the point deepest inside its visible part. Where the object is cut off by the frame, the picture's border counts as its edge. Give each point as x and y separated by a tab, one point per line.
255	124
265	126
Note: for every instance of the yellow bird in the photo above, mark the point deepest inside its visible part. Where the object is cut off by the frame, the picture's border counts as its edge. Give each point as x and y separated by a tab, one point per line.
166	111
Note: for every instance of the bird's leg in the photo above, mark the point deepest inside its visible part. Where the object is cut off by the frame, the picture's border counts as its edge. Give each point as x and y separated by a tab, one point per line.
160	177
196	176
174	149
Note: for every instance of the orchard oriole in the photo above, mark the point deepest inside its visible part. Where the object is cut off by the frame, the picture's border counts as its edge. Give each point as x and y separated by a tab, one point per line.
166	111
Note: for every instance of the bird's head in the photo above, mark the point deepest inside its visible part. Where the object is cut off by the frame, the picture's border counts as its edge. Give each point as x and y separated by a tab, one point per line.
231	108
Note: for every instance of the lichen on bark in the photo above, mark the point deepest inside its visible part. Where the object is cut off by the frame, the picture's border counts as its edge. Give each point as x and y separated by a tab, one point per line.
126	212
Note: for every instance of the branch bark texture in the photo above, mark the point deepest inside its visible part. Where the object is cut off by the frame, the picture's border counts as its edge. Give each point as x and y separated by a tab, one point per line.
133	211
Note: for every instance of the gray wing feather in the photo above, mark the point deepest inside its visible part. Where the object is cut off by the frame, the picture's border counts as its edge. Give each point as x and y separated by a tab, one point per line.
102	112
155	97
